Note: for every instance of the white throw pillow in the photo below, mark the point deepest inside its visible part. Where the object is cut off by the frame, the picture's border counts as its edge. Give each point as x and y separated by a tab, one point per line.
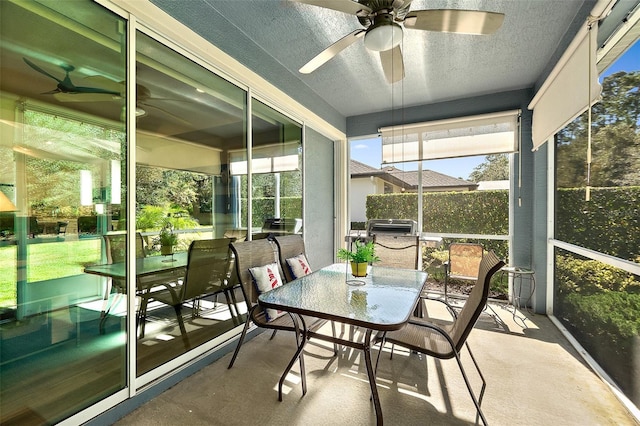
299	266
267	278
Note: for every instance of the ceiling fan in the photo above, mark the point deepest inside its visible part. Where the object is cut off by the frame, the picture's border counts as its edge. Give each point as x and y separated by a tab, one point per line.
383	31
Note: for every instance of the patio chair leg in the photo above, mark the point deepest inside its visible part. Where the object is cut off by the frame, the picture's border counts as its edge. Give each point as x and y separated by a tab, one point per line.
273	334
335	345
226	296
106	305
301	339
446	283
466	381
183	330
142	315
484	383
244	332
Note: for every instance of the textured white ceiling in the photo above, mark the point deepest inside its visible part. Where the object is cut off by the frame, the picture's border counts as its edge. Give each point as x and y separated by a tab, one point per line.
276	37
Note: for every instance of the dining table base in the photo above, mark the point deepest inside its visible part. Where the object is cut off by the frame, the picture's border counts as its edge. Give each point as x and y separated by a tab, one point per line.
364	346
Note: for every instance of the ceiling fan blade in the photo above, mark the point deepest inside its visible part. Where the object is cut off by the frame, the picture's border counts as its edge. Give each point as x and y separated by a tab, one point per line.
84	97
454	21
170	114
106	83
346	6
392	64
40	70
332	51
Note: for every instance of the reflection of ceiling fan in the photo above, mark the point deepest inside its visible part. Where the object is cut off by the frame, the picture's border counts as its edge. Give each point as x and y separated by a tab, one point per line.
382	31
107	90
66	91
143	95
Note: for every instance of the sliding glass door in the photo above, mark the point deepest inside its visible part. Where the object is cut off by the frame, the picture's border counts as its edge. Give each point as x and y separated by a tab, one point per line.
62	145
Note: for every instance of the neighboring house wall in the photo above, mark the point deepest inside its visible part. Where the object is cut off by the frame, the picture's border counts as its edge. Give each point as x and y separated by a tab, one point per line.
360	188
488	185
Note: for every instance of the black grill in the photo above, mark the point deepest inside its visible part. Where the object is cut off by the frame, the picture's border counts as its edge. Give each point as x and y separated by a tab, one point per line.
392	227
282	226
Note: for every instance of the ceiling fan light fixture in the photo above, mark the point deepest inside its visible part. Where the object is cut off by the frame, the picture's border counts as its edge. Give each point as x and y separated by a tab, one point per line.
140	112
384	36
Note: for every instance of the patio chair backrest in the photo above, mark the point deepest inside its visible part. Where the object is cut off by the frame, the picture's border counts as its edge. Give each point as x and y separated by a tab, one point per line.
464	260
289	246
116	247
207	267
397	251
477	300
249	254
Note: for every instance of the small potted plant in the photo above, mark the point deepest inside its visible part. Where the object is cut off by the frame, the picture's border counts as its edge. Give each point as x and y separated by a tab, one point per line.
363	255
167	239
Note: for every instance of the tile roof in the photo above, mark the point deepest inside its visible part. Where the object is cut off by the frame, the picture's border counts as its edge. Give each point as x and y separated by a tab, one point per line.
358	168
409	178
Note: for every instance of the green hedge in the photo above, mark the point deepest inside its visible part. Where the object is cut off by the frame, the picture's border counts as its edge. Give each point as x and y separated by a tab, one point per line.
607	324
472	212
290	207
609	223
586	277
600	305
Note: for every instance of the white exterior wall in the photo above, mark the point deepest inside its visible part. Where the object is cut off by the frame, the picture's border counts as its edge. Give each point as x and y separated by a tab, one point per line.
360	188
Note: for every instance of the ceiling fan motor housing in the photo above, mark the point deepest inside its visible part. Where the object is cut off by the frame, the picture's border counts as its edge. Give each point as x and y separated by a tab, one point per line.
384	34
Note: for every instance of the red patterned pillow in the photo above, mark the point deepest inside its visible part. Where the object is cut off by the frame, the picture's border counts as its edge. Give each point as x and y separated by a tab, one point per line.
299	266
267	278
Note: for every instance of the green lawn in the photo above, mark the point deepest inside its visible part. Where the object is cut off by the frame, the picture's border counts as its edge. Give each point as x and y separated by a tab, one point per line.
44	262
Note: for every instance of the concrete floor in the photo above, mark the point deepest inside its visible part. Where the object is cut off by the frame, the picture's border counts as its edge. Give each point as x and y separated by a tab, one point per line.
534	377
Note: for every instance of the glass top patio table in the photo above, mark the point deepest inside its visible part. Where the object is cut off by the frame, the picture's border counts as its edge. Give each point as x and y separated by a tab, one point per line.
144	266
383	301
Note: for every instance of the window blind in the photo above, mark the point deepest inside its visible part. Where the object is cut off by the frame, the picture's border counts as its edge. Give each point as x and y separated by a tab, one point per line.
460	137
570	89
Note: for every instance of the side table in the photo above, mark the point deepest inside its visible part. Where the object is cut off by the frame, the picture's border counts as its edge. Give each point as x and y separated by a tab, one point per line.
518	274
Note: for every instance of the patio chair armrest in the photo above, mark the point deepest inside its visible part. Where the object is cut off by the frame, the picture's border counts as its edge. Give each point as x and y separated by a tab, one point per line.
432	326
449	306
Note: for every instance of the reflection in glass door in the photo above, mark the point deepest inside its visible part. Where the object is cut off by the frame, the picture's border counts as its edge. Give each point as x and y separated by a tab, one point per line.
62	185
276	167
188	122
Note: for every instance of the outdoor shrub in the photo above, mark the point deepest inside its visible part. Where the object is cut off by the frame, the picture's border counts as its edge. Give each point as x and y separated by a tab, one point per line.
155	217
584	276
609	318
